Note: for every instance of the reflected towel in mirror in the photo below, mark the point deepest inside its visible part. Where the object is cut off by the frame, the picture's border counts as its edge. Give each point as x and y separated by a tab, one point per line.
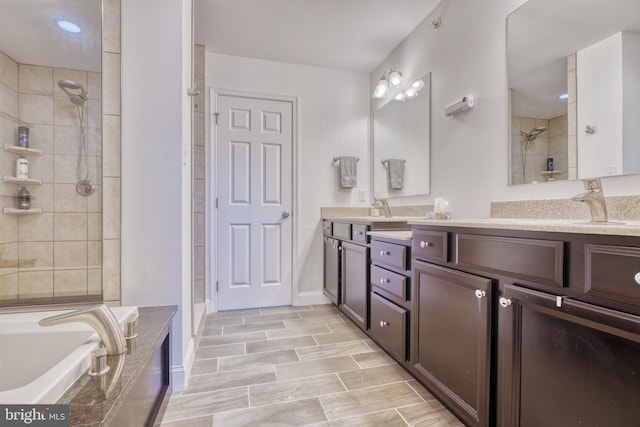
348	172
395	172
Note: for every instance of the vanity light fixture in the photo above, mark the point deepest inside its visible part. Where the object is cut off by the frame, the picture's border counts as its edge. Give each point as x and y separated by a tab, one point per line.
410	92
68	26
388	81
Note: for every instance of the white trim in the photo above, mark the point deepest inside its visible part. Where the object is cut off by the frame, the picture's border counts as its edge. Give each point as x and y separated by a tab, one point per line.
178	378
311	298
212	304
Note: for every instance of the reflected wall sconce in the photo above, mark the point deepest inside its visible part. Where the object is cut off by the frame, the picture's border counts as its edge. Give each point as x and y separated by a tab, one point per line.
389	80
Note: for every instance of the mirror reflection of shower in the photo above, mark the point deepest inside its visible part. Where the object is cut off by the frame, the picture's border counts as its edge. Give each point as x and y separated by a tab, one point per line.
526	141
78	97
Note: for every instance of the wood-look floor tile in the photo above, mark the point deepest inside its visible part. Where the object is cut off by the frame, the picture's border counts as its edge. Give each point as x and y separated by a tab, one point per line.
224	321
372	345
344	326
252	327
210	331
204	366
388	418
234	313
342	336
422	392
362	401
320	312
371	377
373	359
233	339
220	351
320	320
231	379
207	403
190	422
281	344
332	350
286	309
298	332
297	413
429	414
257	360
285	391
271	317
315	367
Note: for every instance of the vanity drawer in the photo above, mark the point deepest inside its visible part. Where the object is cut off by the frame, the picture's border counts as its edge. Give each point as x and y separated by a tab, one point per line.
539	261
393	283
359	233
613	272
389	326
342	230
327	228
390	254
430	245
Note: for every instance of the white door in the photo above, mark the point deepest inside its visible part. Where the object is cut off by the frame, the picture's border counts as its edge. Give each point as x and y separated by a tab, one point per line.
254	183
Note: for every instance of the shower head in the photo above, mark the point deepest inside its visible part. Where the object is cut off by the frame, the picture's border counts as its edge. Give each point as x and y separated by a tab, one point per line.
68	86
531	136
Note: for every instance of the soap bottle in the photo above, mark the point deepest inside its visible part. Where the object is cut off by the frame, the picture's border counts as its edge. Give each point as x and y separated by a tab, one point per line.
23	136
22	168
24	198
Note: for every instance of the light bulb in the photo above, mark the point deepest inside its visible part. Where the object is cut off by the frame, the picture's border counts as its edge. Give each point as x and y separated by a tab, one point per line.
410	92
382	89
395	78
399	97
418	84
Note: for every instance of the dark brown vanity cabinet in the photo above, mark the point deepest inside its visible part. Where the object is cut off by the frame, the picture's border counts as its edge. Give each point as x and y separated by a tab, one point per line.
452	338
568	363
355	279
331	256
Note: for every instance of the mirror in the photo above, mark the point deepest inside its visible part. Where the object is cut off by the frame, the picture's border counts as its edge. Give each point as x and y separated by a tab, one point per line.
51	84
588	51
401	132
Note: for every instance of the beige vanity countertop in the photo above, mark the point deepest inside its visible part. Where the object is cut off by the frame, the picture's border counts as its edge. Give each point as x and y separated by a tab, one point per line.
372	218
629	228
398	235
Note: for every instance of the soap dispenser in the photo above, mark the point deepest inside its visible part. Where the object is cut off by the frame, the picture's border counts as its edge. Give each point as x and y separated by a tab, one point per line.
22	168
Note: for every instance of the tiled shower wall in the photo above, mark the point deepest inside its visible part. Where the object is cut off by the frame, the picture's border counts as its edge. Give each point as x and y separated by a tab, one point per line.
57	253
551	143
72	249
199	181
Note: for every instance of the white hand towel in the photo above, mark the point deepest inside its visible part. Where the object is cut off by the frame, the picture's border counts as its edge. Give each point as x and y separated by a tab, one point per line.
395	170
348	172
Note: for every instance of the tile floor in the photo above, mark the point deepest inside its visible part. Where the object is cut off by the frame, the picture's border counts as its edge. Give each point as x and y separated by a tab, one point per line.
297	366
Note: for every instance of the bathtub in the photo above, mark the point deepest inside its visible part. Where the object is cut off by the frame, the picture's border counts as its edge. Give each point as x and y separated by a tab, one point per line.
38	364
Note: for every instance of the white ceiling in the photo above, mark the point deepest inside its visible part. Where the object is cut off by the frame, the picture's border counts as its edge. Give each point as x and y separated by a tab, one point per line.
29	35
354	35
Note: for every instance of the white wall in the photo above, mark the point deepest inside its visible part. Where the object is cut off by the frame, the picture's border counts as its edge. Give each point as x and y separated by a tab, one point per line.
333	120
469	151
156	192
631	102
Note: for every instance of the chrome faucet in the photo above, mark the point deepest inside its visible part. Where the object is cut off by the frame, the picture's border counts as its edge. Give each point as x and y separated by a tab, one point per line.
100	318
594	197
384	205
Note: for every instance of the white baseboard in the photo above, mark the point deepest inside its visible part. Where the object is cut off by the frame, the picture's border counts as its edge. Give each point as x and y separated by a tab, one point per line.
311	298
180	373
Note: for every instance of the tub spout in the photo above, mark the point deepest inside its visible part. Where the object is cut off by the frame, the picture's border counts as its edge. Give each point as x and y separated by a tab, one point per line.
100	318
594	198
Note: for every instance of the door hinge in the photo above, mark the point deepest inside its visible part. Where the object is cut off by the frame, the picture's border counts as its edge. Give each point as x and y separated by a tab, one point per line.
216	286
216	115
216	203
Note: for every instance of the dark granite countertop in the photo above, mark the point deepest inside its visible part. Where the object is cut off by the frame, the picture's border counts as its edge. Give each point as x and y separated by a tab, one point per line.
94	401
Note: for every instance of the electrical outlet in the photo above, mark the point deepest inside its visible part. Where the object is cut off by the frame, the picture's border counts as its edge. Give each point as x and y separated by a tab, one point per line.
362	195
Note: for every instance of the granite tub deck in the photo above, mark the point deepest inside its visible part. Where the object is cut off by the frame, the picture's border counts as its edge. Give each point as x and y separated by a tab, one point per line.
88	405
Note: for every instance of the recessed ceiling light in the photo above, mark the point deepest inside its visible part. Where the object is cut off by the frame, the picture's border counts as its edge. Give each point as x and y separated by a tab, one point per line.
68	26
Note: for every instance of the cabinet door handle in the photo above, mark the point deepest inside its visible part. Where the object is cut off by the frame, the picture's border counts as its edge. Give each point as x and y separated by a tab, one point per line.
383	253
359	233
424	244
480	293
504	302
383	323
383	281
637	278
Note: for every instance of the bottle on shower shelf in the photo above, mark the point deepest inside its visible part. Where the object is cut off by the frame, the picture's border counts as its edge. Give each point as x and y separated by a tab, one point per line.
24	198
23	136
22	168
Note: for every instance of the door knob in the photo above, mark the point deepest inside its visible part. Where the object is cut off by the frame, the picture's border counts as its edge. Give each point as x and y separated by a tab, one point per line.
285	214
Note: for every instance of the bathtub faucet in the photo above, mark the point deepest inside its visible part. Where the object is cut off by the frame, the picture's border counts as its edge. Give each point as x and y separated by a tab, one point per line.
100	318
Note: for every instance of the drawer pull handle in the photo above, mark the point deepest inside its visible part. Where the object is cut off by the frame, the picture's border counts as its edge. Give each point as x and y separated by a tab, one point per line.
383	253
637	278
424	244
383	281
359	233
383	323
480	293
504	302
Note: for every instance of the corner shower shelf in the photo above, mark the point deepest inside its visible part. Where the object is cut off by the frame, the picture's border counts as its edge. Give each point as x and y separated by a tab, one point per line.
16	211
16	180
22	150
549	173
